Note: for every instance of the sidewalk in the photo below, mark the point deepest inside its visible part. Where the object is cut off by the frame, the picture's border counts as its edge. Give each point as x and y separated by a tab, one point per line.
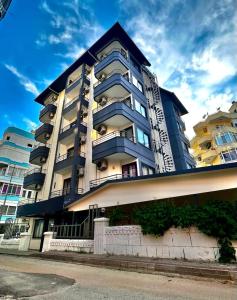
169	267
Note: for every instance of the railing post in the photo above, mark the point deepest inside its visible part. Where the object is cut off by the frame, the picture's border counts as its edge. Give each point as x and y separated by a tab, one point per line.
99	235
24	241
48	236
1	238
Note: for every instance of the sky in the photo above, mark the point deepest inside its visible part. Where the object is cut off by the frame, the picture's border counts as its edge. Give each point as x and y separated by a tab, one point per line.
191	44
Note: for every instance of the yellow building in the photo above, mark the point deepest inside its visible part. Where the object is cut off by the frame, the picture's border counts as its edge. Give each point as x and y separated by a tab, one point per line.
215	141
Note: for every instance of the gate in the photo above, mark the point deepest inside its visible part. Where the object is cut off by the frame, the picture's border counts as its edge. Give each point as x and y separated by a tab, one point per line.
85	230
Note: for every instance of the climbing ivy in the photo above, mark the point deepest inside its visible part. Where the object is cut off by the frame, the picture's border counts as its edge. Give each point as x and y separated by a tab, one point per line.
115	216
215	218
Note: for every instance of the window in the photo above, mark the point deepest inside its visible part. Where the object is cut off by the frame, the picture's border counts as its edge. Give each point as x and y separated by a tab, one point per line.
11	210
8	138
146	170
205	129
185	147
29	194
11	189
29	145
226	138
189	166
140	108
38	229
137	83
24	193
143	138
230	155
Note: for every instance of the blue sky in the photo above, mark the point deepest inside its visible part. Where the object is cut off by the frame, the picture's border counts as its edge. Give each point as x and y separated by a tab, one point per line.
192	45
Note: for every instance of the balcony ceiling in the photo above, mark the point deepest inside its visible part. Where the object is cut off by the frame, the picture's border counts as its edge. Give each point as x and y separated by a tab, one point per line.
117	121
115	65
114	92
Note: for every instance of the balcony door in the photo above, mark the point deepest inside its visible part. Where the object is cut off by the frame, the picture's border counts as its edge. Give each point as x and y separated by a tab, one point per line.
129	170
70	152
128	133
66	186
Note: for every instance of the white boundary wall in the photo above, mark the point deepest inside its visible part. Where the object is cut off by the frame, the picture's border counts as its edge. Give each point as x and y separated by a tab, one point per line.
86	246
177	243
21	244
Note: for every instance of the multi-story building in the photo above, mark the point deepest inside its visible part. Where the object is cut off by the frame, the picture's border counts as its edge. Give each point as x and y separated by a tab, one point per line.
215	141
15	150
4	5
104	118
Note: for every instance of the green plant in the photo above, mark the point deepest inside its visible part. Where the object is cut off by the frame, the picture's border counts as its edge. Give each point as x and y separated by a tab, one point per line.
214	218
116	215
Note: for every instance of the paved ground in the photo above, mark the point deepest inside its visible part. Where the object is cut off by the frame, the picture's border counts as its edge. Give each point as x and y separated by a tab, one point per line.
98	283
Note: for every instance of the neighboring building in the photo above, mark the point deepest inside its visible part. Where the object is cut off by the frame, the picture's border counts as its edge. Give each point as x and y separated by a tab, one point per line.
4	5
105	118
215	141
15	150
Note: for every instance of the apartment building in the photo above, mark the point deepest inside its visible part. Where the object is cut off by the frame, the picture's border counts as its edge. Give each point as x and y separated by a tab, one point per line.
215	140
4	5
15	148
105	118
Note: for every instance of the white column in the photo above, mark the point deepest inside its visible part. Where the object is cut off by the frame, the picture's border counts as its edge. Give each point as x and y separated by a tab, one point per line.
24	241
48	236
99	235
1	238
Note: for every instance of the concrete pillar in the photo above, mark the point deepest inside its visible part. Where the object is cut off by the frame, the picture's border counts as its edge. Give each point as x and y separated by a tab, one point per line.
48	236
99	235
24	241
1	238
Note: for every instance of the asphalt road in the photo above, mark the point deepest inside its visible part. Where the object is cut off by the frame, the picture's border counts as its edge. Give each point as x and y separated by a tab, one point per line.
21	277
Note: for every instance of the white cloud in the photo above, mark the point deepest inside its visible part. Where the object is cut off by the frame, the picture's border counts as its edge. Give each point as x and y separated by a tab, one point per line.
30	125
24	81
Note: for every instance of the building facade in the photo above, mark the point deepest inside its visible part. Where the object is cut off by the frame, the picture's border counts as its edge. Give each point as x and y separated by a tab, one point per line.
4	5
215	141
15	148
105	118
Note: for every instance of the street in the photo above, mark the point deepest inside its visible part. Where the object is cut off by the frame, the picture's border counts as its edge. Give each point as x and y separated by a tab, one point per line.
73	281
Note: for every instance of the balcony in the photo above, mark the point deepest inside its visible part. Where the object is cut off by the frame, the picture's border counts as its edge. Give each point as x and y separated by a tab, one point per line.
34	180
116	59
70	108
39	155
96	182
43	133
64	162
117	86
67	136
209	156
65	192
47	113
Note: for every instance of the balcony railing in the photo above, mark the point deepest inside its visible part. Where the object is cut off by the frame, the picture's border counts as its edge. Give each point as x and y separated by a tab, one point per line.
115	71
27	201
71	125
33	171
65	192
96	182
111	101
112	135
67	156
120	50
73	100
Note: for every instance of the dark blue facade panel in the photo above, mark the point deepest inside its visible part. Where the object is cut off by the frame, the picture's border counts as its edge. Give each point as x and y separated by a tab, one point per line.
122	145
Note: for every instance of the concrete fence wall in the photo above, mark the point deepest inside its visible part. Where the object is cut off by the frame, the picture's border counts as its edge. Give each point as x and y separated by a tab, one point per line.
21	244
50	244
176	243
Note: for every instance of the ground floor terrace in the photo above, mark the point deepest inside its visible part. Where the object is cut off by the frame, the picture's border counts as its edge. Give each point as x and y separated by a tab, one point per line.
75	221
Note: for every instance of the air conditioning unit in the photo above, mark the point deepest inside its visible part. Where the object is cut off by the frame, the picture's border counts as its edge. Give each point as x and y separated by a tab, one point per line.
37	187
42	159
102	101
82	139
81	172
51	115
47	136
54	98
84	113
86	90
102	129
102	56
102	165
102	77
